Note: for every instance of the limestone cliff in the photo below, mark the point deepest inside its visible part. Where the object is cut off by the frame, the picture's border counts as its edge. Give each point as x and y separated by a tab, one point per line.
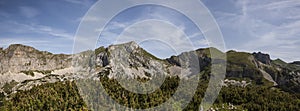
17	58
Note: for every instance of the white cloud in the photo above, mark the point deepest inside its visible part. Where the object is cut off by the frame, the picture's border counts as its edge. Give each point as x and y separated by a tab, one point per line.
283	38
51	31
80	2
154	30
43	44
90	19
5	42
279	4
268	26
88	27
18	28
202	42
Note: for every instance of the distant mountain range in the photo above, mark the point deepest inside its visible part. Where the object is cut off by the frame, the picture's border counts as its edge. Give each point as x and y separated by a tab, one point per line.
23	67
20	61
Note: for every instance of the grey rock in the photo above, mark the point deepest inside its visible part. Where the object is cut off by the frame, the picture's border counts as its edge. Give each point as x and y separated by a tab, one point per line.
19	57
264	58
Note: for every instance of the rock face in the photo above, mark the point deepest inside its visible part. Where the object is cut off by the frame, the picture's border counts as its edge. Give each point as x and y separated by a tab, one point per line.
200	54
17	58
264	58
19	63
296	63
130	60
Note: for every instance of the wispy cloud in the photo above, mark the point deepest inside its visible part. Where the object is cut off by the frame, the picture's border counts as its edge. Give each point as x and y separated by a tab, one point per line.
81	2
51	31
89	19
248	25
42	44
29	12
46	25
15	27
154	30
268	26
5	42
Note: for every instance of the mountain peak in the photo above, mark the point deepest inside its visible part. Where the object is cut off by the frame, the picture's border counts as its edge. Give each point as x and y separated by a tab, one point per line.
264	58
19	47
129	46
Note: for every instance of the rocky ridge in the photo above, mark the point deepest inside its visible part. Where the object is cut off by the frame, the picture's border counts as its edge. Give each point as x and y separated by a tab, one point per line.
17	58
131	61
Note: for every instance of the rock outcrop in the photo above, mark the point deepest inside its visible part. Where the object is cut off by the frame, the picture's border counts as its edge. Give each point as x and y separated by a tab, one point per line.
17	58
264	58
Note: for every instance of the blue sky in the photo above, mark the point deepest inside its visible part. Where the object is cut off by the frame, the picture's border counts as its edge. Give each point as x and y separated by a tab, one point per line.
269	26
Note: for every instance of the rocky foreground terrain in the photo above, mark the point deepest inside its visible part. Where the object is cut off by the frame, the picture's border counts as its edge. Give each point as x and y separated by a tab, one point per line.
23	67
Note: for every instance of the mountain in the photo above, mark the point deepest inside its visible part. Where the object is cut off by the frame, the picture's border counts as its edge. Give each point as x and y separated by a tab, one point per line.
23	68
256	66
296	63
21	63
18	58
